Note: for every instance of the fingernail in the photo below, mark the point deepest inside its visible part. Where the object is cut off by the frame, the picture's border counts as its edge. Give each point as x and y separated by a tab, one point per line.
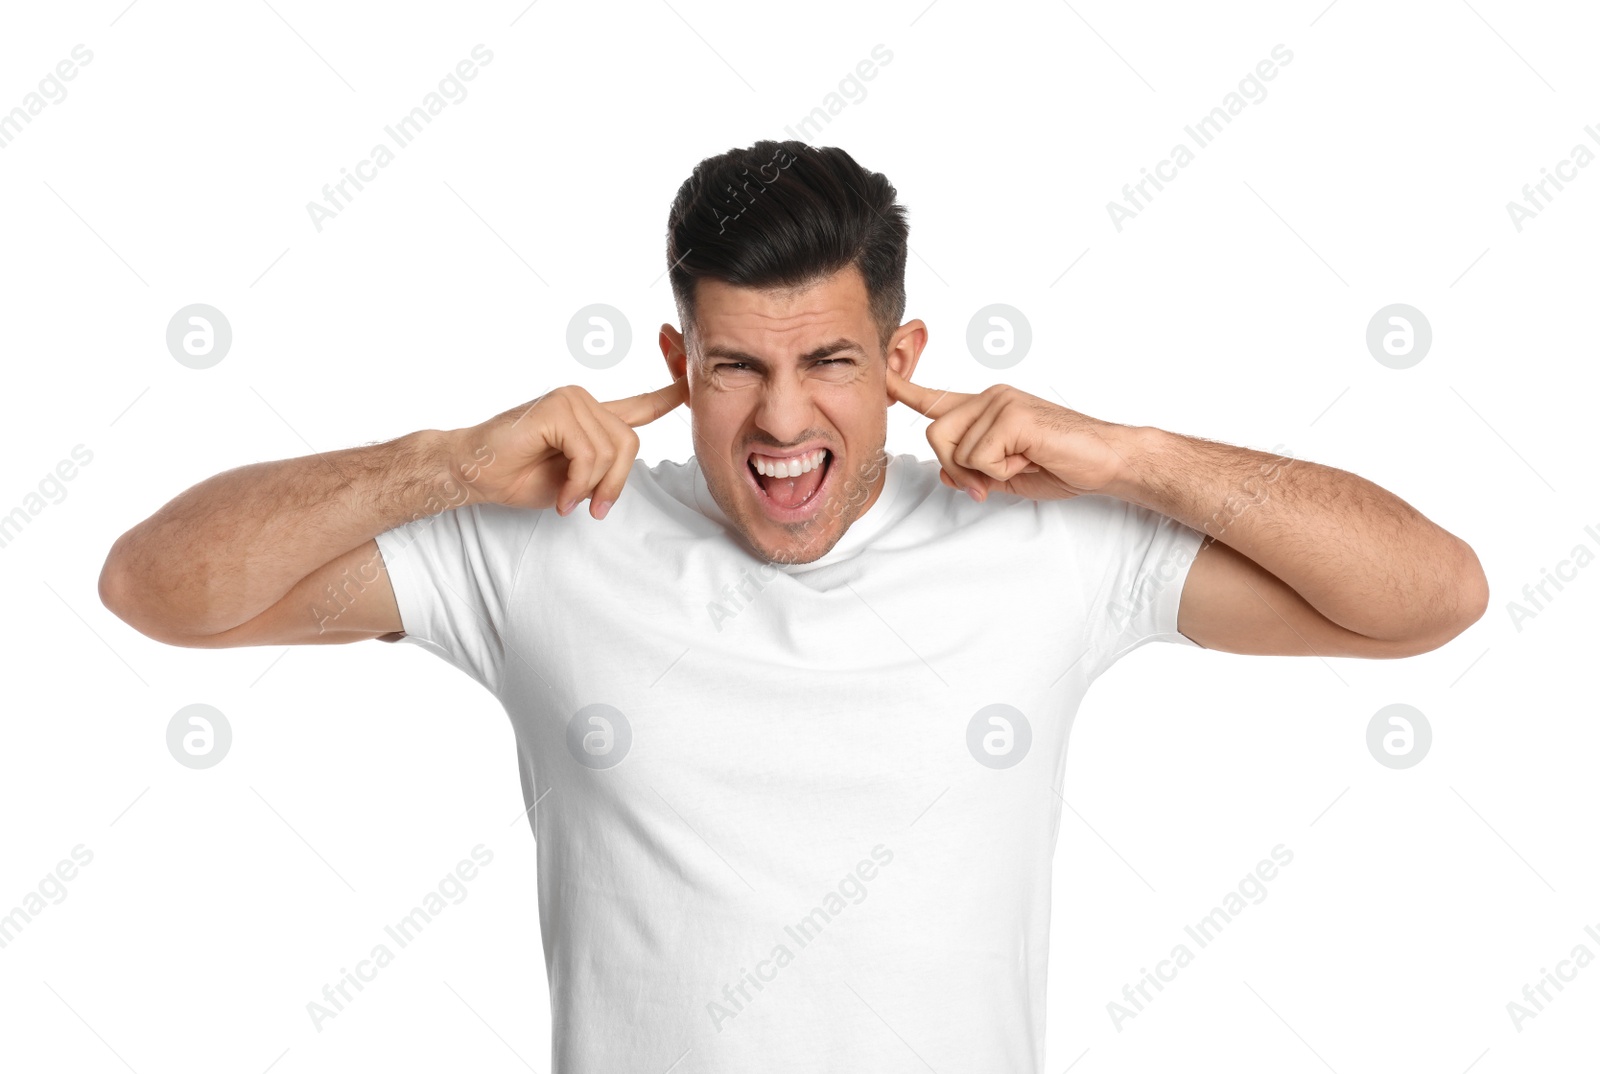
974	494
601	507
563	507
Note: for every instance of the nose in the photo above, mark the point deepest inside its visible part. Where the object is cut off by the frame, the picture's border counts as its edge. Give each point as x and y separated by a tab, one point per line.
786	408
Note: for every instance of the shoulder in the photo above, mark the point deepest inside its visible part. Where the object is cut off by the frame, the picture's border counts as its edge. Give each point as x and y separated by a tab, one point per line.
669	475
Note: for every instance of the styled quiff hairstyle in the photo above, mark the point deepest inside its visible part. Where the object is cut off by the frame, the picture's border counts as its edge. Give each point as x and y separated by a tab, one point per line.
783	215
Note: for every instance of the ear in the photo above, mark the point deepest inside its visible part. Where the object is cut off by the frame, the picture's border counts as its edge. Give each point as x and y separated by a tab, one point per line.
673	350
905	347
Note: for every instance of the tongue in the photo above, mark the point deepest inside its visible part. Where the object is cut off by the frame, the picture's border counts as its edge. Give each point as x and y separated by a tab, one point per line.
792	491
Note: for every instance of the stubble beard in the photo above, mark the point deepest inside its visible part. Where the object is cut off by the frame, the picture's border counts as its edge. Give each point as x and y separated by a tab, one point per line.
844	505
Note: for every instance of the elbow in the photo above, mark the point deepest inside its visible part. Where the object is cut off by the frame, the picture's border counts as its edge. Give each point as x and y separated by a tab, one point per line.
113	584
1460	605
1467	600
1478	600
121	596
1472	590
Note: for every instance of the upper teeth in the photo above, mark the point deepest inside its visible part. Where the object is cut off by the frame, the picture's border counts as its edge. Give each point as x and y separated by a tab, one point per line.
794	467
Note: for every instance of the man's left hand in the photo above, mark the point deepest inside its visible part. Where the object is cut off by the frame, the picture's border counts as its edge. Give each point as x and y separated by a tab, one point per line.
1007	440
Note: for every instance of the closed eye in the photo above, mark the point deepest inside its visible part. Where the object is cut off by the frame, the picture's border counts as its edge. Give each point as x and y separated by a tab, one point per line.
822	361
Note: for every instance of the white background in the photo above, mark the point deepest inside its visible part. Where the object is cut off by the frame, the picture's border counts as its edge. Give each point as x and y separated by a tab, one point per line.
1376	170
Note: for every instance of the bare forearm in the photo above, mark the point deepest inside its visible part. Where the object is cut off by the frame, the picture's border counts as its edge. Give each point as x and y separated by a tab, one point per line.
231	546
1360	555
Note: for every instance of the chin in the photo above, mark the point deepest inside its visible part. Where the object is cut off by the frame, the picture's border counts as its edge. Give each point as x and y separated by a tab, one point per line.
789	506
801	548
785	542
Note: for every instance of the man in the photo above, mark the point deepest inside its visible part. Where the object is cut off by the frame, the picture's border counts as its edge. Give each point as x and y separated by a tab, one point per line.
792	713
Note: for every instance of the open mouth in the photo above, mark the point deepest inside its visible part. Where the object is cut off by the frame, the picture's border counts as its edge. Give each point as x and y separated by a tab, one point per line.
788	487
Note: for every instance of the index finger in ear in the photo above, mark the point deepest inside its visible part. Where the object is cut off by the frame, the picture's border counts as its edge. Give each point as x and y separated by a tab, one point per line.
925	401
646	407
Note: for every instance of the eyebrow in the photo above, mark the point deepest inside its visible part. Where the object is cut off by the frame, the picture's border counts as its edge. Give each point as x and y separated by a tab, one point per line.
816	353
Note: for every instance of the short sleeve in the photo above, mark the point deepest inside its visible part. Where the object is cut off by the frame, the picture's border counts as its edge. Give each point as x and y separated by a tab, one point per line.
453	576
1139	560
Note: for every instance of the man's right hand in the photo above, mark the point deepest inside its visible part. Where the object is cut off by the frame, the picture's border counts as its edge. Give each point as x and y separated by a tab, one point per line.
564	447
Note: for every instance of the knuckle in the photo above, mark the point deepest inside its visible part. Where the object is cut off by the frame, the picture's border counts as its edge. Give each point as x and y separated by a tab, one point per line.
573	395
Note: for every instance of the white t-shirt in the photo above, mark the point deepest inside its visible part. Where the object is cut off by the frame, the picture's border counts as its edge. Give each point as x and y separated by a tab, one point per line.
793	818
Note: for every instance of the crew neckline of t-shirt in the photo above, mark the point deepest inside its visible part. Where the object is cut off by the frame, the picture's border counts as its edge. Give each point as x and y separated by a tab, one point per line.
859	532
